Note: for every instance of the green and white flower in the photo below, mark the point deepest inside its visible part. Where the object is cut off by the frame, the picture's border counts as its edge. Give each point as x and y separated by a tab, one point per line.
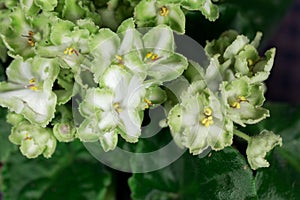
33	139
259	146
68	42
149	13
249	63
198	122
109	48
162	63
28	90
116	108
233	56
243	101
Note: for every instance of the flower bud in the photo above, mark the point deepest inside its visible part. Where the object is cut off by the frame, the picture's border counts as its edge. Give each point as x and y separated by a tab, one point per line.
259	146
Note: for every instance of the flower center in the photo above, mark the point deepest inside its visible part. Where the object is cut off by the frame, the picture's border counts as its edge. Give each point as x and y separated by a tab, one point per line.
152	56
117	107
29	37
237	103
208	119
164	11
32	85
70	51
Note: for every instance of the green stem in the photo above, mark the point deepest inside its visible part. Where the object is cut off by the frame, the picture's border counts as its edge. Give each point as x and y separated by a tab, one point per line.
241	135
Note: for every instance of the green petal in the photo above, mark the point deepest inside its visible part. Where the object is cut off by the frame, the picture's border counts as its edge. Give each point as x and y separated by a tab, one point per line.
50	147
262	69
219	45
156	95
209	10
48	5
88	131
175	123
130	126
96	99
192	4
126	25
159	38
114	77
259	146
256	41
236	46
168	68
249	53
103	47
145	13
60	32
109	140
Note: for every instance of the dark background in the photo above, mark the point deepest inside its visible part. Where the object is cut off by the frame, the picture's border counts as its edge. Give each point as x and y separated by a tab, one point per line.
284	82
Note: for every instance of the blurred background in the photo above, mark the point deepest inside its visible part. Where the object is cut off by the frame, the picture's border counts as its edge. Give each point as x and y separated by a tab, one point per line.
284	82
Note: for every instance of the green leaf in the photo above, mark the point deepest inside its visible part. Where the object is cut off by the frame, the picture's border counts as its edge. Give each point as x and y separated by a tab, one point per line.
220	175
5	145
71	174
282	179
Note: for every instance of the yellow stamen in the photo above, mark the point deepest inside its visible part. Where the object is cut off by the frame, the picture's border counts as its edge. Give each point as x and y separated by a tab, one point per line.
208	119
148	103
70	51
164	11
119	58
235	104
32	85
32	81
242	98
250	62
34	88
207	111
149	55
117	107
154	57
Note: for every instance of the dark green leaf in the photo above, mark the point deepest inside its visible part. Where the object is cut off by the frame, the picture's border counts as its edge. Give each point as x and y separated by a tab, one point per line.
220	175
70	174
5	145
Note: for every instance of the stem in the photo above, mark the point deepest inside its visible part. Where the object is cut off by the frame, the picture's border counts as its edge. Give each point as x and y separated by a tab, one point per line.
241	135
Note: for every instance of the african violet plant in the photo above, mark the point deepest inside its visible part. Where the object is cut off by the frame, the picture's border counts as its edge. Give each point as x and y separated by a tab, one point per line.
91	70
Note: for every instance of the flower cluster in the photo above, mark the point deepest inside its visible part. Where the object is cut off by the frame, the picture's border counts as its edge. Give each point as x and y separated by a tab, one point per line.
227	93
70	79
